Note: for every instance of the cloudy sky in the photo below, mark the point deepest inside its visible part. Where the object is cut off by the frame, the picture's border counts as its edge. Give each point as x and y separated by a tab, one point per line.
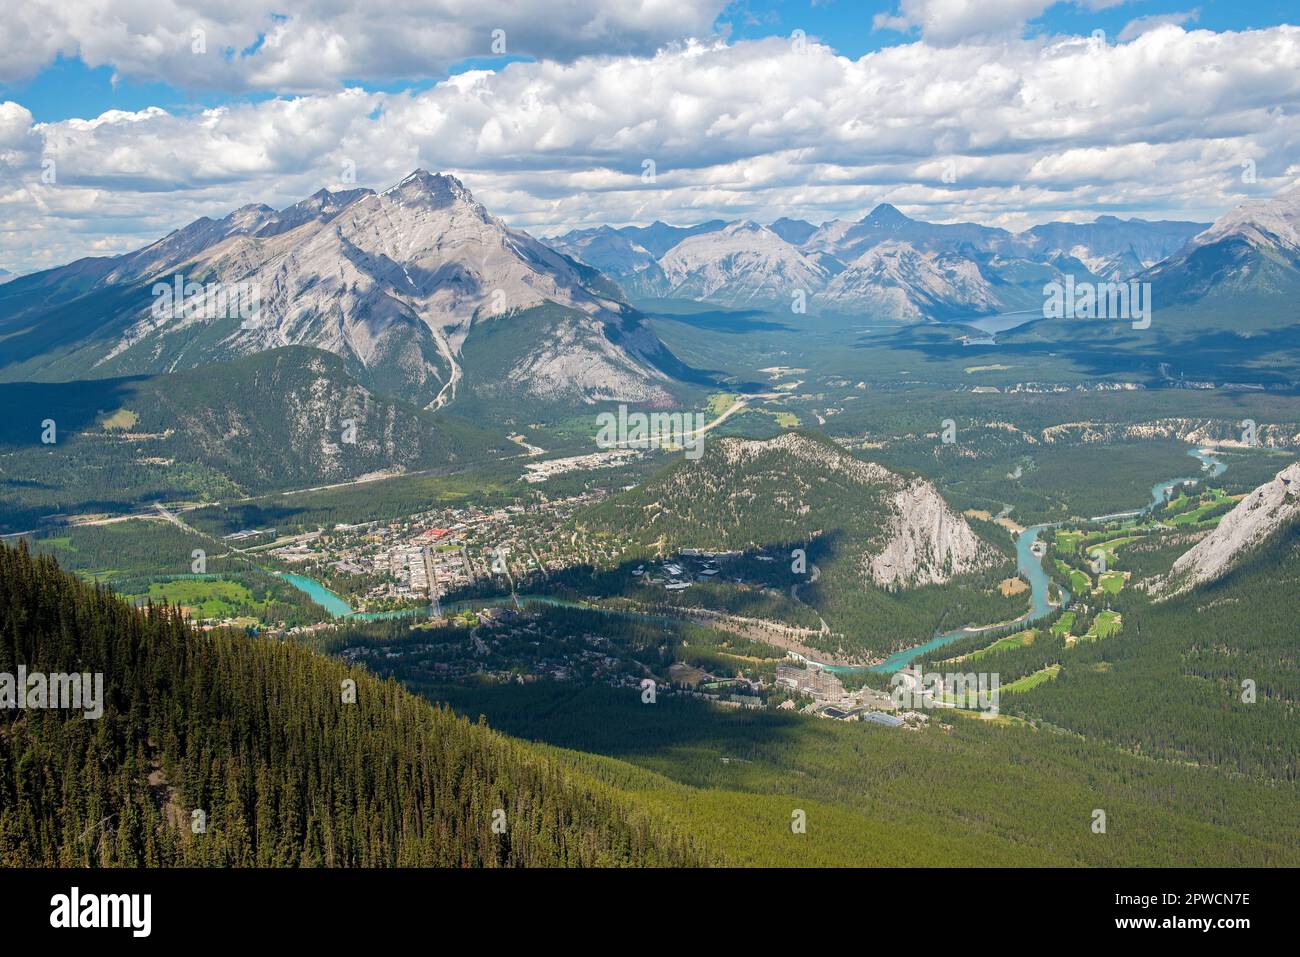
121	120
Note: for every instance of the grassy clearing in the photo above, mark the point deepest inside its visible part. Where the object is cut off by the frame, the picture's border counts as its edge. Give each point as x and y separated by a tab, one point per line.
1108	548
1106	624
1012	586
1031	681
1019	640
1112	582
1193	512
1064	624
1067	543
786	419
205	598
720	402
122	419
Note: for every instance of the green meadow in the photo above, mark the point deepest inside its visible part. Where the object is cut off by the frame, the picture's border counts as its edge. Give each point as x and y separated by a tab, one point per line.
1112	582
1032	681
1106	624
1063	624
205	597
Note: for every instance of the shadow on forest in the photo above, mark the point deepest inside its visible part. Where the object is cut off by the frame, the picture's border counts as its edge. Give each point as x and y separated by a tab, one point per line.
615	722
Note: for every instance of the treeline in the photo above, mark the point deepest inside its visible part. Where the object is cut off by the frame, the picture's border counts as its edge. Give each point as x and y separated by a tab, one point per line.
1175	683
260	738
130	556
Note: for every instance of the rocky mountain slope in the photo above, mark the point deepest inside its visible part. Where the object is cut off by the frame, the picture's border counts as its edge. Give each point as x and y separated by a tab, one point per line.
1110	247
622	257
607	249
895	280
392	282
1253	249
794	231
887	224
885	265
744	264
1272	507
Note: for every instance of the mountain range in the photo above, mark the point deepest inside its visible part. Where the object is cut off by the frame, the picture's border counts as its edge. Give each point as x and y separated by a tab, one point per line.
886	264
399	284
428	297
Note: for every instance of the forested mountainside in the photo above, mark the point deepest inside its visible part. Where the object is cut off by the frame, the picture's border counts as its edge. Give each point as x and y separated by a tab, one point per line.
794	489
886	558
289	417
255	735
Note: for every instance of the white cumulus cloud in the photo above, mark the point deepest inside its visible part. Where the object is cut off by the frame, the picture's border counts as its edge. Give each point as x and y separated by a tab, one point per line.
1036	129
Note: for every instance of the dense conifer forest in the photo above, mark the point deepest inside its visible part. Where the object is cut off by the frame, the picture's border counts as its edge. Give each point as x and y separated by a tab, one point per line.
257	737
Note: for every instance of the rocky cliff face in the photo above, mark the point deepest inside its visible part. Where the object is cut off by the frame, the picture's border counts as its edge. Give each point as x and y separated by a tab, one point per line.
1258	516
900	532
928	542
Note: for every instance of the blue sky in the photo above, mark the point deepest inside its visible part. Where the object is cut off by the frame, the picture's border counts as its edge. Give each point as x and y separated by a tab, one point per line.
68	88
118	123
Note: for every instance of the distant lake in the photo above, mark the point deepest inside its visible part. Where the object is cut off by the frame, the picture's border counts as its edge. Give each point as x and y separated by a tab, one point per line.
1003	321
